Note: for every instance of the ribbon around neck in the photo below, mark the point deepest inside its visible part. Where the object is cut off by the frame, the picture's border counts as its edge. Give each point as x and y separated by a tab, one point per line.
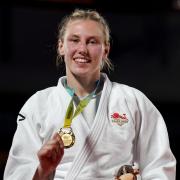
80	107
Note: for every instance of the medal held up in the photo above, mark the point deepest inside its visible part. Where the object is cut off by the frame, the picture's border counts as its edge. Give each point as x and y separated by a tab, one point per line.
67	137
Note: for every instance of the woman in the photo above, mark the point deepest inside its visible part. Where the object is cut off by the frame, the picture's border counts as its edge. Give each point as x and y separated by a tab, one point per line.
88	127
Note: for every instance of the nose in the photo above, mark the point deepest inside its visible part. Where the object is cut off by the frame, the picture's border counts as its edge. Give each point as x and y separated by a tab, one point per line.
82	48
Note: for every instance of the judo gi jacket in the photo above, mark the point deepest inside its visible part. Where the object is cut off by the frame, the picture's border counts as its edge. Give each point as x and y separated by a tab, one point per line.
127	129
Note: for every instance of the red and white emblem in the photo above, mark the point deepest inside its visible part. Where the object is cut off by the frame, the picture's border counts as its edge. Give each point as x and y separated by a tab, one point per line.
119	119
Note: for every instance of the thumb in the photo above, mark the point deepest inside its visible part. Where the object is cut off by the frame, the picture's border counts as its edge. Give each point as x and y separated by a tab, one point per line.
57	137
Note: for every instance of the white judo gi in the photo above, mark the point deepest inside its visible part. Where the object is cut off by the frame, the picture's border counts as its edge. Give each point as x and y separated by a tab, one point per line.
127	129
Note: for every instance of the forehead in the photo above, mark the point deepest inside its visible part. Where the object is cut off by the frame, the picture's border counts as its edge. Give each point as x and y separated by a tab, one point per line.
84	27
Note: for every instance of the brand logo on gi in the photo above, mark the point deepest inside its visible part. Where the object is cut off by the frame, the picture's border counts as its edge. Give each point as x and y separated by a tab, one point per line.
119	119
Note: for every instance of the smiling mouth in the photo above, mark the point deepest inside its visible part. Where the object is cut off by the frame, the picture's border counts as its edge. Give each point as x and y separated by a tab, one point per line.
81	60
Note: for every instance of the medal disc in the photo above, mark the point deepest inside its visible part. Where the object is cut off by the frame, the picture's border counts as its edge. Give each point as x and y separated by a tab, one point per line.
67	137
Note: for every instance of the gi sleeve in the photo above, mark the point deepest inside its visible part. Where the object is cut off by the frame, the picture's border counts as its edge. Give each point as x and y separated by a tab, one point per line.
154	156
22	160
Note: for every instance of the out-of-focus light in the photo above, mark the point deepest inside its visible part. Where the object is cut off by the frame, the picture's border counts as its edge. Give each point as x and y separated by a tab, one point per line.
176	4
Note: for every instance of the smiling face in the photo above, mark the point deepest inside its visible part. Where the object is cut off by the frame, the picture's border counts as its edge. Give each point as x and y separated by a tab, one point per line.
83	48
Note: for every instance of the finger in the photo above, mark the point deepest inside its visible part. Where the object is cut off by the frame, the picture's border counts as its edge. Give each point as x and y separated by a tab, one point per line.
53	142
58	138
55	152
50	149
54	156
57	142
48	153
61	145
54	148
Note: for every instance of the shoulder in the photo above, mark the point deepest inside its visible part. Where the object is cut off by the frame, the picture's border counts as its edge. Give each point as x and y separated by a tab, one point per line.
43	99
130	95
126	91
38	99
43	95
122	90
36	104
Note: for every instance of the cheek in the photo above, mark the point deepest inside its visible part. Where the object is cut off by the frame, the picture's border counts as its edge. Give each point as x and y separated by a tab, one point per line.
69	50
98	52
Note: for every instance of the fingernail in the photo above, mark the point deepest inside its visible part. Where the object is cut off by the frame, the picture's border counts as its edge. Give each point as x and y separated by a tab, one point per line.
61	145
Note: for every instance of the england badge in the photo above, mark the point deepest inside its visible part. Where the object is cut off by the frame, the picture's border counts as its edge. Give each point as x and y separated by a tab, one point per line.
119	119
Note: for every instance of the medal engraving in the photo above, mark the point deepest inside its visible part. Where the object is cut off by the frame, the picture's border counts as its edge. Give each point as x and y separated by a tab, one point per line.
67	137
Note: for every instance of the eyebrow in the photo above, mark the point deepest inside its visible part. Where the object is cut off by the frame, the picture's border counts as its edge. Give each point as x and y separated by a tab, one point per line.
74	35
77	36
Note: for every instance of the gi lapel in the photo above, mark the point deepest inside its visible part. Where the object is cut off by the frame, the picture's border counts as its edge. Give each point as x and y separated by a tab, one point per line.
92	138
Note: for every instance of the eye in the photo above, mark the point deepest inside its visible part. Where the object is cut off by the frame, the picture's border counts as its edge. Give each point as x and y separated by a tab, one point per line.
74	40
92	41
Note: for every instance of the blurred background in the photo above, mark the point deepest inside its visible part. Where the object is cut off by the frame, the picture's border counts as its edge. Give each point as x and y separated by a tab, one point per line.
145	52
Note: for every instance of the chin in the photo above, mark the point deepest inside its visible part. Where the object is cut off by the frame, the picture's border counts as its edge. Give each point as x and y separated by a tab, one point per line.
81	72
84	72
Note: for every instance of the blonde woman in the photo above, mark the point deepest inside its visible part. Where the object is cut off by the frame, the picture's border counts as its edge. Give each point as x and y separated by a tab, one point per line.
88	127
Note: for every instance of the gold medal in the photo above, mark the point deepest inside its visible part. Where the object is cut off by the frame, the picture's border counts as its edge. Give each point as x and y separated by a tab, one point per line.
67	137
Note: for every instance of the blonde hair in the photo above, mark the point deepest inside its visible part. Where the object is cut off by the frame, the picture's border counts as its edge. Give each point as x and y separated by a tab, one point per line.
79	14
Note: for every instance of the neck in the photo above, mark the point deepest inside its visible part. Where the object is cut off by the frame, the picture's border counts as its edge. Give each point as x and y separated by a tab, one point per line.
82	85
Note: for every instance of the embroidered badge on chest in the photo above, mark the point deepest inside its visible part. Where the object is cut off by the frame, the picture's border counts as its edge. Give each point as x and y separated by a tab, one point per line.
119	119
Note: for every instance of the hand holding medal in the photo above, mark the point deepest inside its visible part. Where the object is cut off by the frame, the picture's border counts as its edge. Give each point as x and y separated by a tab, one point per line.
49	156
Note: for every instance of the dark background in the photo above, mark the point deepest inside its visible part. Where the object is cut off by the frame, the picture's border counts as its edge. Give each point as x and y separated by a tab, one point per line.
145	51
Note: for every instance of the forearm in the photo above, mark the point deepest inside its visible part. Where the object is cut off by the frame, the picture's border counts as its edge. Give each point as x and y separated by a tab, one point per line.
41	175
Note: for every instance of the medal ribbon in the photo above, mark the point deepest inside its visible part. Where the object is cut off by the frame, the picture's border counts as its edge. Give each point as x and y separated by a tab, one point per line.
80	107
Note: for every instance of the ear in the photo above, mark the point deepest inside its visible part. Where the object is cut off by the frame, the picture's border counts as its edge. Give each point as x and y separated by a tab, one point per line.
61	47
106	51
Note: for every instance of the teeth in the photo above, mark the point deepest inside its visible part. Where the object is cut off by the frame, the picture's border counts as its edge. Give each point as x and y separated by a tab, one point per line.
81	60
